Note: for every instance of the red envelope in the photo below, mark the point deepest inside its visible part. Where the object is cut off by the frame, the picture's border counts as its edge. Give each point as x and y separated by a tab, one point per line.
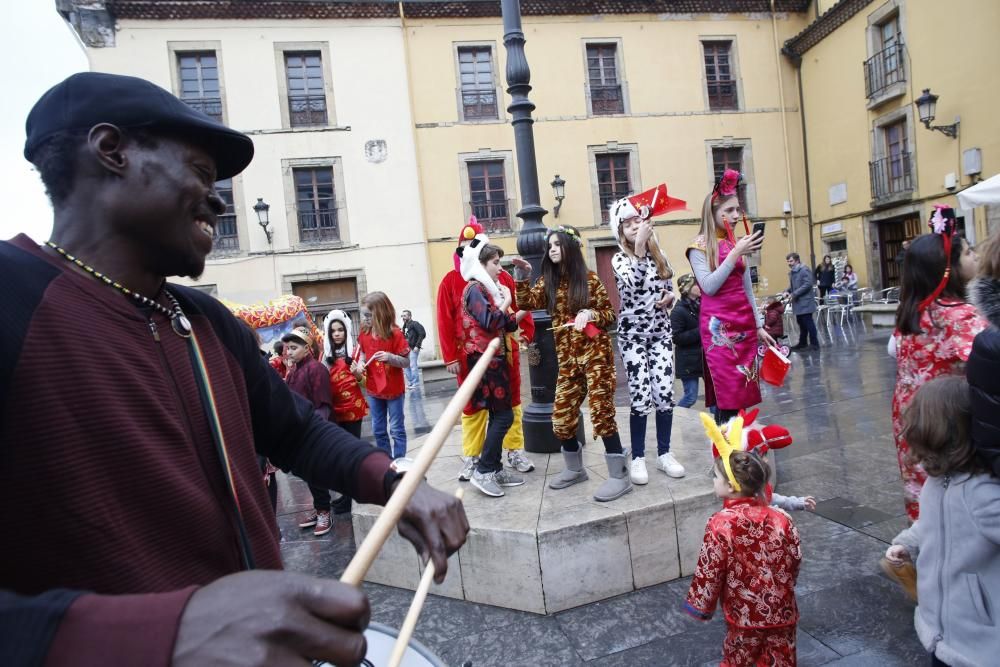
591	329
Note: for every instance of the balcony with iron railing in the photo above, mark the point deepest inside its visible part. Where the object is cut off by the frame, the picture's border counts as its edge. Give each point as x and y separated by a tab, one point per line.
885	74
319	227
479	104
891	178
210	106
227	238
492	215
307	110
606	100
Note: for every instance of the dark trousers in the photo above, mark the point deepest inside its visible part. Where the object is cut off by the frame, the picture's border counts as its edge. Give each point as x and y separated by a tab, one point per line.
500	423
321	496
807	327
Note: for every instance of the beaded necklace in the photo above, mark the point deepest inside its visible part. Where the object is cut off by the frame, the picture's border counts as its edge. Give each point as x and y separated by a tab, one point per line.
178	321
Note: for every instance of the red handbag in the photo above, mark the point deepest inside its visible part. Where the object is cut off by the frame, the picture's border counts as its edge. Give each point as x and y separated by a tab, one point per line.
774	366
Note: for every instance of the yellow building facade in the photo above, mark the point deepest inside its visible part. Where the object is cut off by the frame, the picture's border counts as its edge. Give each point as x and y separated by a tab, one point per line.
874	169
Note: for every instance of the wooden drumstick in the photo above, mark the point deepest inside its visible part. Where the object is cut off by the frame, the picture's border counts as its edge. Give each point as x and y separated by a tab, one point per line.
387	520
419	597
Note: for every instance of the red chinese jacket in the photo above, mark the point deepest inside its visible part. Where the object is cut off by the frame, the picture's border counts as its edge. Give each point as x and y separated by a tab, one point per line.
750	559
451	336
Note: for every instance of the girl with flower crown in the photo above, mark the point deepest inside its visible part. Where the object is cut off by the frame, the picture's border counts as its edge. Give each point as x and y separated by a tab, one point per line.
730	324
581	314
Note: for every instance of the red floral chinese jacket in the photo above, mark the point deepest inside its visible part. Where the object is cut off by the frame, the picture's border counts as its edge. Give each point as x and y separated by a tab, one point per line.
750	559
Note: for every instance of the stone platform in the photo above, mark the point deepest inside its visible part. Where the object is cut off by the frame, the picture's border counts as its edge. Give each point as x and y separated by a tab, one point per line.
543	551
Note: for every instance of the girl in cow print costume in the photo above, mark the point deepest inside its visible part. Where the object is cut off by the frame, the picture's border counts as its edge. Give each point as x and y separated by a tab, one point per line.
645	340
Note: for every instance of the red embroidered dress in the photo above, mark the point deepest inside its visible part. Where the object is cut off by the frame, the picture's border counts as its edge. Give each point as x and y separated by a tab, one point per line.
950	327
750	559
482	321
349	403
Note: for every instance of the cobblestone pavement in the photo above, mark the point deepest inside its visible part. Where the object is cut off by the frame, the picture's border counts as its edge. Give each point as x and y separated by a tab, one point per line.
836	402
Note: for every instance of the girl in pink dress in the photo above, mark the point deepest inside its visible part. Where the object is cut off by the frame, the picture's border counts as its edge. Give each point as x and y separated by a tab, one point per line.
935	328
729	322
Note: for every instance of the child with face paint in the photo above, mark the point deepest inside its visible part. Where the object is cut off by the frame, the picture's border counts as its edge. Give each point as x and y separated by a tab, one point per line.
581	312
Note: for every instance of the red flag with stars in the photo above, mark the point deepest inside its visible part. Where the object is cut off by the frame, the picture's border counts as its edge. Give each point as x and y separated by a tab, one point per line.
657	201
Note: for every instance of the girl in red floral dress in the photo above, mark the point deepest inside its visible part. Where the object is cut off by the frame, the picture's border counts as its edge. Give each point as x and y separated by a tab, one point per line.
935	328
749	560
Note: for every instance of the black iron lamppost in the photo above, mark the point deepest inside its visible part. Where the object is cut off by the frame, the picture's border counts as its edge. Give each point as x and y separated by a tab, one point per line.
926	106
263	217
559	190
531	242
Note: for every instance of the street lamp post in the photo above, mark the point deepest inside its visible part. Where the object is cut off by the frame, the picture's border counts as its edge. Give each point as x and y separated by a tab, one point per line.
531	241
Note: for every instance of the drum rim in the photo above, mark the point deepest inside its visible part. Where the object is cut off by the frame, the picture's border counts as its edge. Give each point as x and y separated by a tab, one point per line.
414	643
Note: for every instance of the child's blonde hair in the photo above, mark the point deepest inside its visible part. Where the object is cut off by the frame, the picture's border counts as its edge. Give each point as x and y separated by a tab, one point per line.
937	427
383	315
707	231
663	268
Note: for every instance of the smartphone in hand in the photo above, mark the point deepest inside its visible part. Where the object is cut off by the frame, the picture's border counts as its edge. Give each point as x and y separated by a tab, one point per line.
758	227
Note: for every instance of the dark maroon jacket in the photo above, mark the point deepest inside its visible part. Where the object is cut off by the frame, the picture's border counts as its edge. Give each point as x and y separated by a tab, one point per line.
109	479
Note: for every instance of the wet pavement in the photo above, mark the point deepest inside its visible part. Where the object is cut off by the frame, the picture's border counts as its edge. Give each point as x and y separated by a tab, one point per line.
836	403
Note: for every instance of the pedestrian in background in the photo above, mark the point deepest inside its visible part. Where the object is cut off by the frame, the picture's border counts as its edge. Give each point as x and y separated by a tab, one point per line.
826	274
384	354
687	338
800	291
414	333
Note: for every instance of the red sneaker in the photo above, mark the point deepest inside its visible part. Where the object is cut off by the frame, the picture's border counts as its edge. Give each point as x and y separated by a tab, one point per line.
323	523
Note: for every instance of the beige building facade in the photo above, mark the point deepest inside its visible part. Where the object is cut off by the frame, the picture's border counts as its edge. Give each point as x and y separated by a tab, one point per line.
874	169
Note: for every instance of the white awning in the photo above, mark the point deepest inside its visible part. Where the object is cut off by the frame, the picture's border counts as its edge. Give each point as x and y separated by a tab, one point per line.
983	193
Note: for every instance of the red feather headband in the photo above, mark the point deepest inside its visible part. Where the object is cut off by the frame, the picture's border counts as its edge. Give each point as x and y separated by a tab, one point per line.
942	222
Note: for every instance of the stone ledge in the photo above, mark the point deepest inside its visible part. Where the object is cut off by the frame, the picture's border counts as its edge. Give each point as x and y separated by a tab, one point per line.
543	551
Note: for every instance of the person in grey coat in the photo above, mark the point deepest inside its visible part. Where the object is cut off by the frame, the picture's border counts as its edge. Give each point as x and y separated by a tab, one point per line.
956	541
800	291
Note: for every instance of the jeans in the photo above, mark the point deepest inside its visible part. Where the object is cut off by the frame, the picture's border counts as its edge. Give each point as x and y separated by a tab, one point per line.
637	431
321	495
500	422
412	374
807	327
690	393
393	408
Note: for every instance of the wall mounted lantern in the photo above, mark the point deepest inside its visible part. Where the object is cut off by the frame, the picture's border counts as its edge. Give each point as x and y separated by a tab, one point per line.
926	106
559	189
263	218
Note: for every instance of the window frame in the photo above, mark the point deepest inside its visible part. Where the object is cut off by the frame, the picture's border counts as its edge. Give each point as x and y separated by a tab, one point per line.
282	48
887	13
177	49
734	72
510	184
879	150
457	47
239	249
747	169
635	175
617	43
335	163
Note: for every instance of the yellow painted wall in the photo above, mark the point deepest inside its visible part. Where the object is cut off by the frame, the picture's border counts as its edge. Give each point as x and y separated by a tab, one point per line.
951	50
669	121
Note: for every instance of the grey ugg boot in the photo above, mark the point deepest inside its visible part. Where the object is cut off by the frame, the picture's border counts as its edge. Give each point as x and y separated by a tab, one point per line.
572	473
618	483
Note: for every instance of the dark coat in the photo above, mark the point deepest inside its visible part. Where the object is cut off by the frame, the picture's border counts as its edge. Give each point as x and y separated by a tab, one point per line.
414	333
801	288
825	277
983	373
687	339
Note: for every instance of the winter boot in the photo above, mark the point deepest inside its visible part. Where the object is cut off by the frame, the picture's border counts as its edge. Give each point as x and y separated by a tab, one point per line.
618	483
573	472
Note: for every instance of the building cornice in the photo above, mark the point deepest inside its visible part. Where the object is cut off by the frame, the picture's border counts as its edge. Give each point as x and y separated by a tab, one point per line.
822	27
351	9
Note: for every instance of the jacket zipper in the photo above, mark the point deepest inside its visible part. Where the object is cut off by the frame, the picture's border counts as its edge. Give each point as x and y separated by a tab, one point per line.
944	561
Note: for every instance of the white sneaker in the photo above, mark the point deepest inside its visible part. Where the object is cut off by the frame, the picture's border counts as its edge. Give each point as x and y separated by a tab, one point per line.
637	471
668	464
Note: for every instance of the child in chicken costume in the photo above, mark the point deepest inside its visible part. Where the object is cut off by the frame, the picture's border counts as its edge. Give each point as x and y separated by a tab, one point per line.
750	556
451	337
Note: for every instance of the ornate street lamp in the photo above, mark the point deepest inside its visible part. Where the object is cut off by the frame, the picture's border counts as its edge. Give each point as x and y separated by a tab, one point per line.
559	190
263	218
926	107
531	241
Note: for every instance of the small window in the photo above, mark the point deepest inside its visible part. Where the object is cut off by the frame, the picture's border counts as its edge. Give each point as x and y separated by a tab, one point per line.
306	93
227	237
602	75
488	194
479	93
199	82
613	180
729	158
719	76
316	205
840	245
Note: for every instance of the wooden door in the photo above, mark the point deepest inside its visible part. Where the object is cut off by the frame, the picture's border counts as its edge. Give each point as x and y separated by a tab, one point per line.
891	235
607	274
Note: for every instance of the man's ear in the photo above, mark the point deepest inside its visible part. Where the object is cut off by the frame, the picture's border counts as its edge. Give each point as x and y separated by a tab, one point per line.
106	143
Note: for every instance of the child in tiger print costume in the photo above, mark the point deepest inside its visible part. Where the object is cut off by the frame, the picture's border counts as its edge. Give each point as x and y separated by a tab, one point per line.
581	313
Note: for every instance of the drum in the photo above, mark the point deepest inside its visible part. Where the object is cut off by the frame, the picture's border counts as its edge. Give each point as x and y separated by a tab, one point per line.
381	639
